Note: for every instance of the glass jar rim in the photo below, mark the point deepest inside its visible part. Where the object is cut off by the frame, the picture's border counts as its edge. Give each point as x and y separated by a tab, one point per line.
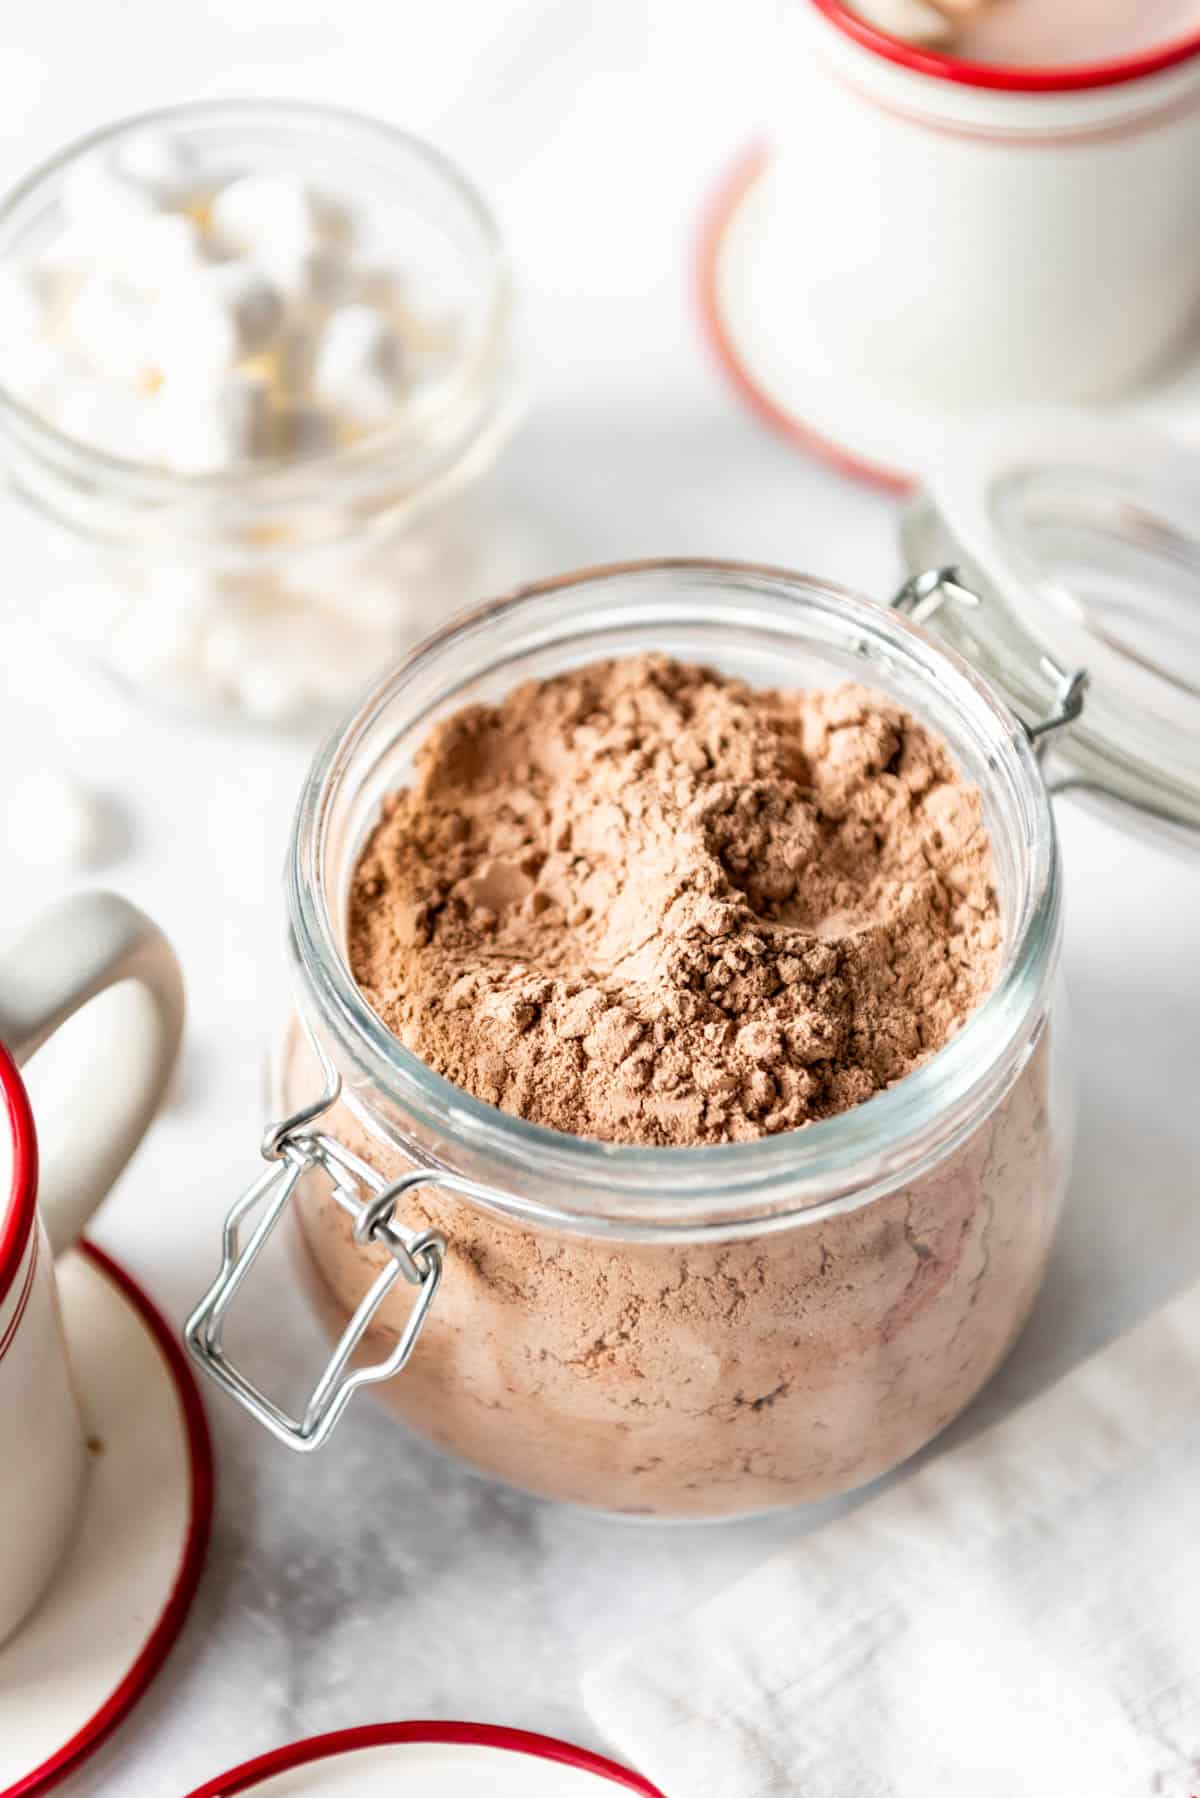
828	1167
273	479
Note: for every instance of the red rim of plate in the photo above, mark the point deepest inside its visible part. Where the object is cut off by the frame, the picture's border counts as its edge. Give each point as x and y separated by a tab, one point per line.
1008	77
718	215
159	1643
16	1224
379	1735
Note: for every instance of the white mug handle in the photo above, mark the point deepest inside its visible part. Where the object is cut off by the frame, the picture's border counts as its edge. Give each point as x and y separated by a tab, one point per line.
72	953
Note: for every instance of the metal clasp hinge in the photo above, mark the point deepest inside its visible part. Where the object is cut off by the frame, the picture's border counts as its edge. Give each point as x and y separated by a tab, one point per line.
294	1149
924	595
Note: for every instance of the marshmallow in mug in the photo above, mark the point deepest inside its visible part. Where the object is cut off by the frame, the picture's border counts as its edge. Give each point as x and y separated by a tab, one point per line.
1049	33
227	324
916	21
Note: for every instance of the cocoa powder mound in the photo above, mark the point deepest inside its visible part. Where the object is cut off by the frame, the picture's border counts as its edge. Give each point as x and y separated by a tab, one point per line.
648	903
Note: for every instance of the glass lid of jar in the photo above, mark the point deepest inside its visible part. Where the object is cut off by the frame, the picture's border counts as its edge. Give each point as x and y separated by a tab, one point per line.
1076	543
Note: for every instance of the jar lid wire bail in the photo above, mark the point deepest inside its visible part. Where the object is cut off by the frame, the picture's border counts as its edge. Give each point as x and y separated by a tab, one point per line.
923	595
292	1149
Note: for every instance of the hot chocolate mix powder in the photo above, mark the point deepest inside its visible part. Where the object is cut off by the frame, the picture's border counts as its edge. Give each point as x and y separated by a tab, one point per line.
648	903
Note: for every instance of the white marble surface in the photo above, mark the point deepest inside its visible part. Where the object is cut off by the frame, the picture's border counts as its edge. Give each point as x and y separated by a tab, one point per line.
376	1580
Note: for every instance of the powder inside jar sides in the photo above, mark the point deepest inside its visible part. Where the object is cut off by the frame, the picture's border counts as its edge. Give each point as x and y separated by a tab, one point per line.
647	903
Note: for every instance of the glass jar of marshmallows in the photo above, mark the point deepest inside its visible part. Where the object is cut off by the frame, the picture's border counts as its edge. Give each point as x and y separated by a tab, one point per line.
252	356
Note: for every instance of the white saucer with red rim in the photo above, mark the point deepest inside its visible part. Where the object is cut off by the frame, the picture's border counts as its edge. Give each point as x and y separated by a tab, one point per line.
101	1632
438	1760
781	370
786	372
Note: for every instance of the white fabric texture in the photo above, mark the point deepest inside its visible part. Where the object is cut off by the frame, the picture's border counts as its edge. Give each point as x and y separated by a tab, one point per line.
1018	1619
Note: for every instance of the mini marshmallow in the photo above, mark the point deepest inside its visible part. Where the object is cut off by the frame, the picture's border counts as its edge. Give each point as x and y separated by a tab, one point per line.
92	412
164	167
359	363
77	405
36	369
65	262
161	635
114	188
227	647
146	249
306	269
107	325
373	606
154	642
310	657
98	198
207	426
270	695
159	251
213	319
57	821
329	657
256	210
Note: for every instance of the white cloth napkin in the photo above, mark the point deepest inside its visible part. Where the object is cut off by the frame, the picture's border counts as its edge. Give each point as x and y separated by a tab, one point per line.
1018	1619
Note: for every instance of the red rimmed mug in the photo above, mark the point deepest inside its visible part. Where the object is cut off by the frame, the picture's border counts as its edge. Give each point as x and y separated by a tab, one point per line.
70	955
958	235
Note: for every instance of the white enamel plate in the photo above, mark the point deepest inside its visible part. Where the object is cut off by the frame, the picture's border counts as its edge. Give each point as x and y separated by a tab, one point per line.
781	368
436	1760
103	1629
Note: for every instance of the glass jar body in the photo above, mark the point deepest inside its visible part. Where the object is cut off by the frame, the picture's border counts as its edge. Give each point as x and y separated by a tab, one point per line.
692	1332
277	636
708	1379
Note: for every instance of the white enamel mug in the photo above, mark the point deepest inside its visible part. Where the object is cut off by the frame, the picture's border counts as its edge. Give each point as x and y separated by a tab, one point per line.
69	956
961	236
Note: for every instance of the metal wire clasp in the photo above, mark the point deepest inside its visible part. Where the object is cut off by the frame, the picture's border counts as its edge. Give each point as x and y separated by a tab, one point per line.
921	597
293	1148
